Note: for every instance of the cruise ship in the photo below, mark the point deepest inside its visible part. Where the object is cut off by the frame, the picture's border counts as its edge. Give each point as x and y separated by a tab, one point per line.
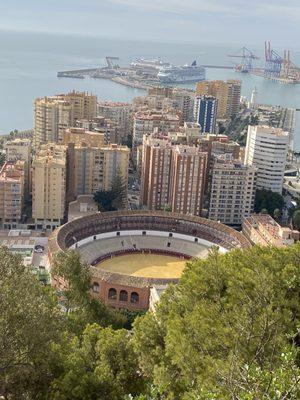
184	74
155	63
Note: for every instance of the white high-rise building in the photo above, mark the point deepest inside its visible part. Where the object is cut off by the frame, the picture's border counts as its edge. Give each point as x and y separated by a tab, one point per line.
267	148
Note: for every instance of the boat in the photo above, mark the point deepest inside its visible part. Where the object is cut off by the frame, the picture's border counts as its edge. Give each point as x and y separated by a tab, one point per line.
184	74
156	63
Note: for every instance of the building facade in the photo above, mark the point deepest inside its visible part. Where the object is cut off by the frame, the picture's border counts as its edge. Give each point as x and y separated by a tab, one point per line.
12	180
205	113
227	92
20	150
232	191
173	176
146	122
263	230
53	115
267	149
49	170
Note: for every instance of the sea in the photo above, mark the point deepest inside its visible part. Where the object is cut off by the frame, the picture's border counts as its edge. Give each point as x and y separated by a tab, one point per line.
29	63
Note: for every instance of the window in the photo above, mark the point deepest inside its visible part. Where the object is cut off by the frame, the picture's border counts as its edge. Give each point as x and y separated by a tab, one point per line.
170	234
123	295
112	294
134	298
96	287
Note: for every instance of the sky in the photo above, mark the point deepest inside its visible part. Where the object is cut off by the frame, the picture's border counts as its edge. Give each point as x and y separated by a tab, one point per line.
249	22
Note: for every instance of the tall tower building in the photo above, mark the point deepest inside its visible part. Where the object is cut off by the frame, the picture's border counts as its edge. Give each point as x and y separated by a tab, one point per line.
267	149
173	176
205	113
49	186
53	115
233	188
188	179
156	172
228	94
11	194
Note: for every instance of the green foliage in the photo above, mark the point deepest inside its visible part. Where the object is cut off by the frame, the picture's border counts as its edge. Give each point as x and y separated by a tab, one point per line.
29	323
266	199
82	309
105	199
2	159
120	191
100	366
296	219
229	317
114	199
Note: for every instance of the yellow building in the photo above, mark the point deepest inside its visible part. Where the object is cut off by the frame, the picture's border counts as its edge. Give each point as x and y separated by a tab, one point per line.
94	168
227	92
11	194
20	150
49	186
81	135
53	115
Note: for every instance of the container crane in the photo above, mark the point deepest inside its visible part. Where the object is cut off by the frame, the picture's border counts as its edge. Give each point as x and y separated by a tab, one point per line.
247	57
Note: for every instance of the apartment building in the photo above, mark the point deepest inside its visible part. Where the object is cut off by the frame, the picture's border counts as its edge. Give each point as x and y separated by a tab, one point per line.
188	179
12	180
147	122
232	191
120	114
81	135
267	149
109	129
228	94
92	168
263	230
205	113
53	115
173	176
20	150
49	170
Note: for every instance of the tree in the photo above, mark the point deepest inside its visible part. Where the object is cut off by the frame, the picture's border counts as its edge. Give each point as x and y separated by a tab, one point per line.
100	366
296	219
81	307
105	199
266	199
114	199
30	322
119	190
224	327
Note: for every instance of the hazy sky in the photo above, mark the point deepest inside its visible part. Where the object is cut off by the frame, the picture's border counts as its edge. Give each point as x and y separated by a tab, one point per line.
213	21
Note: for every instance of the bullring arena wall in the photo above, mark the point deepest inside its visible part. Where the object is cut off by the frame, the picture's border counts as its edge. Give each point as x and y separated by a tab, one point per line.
126	291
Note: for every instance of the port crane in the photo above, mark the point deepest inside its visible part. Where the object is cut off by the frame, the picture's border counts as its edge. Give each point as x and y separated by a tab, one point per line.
247	57
277	66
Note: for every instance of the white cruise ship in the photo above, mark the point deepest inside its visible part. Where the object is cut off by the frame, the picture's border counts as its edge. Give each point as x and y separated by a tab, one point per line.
185	74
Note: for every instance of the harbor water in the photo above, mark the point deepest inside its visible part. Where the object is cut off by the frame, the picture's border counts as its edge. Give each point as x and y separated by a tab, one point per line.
29	64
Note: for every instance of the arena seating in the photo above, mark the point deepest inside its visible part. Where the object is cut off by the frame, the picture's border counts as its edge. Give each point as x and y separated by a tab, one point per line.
94	250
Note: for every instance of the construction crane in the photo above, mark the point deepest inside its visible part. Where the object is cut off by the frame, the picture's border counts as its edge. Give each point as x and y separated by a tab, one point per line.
110	62
280	67
247	57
